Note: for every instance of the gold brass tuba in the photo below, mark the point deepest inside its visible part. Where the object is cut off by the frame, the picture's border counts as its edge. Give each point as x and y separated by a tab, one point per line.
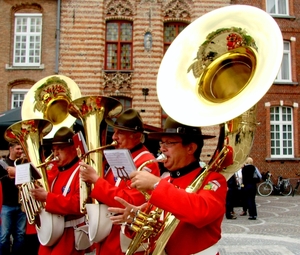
47	99
29	134
44	110
92	110
222	73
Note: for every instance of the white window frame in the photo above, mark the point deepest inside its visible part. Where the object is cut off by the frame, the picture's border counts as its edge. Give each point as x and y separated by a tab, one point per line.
19	101
30	54
274	8
281	132
285	71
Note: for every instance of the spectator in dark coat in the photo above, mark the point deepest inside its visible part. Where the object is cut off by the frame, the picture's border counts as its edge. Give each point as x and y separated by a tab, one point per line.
251	176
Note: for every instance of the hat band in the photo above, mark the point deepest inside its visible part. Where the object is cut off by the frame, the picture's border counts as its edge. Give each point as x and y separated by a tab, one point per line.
183	130
136	128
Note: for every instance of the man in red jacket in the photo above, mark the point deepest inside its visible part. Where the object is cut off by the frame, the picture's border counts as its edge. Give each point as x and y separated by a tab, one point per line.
201	211
128	133
63	197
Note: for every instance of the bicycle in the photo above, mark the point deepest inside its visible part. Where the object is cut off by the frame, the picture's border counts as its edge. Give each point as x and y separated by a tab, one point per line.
296	187
283	186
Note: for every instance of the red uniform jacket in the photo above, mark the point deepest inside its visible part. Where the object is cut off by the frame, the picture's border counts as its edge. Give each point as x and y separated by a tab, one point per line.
105	191
67	205
200	213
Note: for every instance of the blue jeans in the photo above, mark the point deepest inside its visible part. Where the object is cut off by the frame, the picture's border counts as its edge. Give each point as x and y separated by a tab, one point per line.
13	222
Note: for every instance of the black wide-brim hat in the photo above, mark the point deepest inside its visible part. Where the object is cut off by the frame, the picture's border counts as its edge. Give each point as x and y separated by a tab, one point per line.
129	120
63	136
173	127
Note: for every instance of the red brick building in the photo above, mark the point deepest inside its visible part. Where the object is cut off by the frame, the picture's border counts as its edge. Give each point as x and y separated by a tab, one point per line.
115	47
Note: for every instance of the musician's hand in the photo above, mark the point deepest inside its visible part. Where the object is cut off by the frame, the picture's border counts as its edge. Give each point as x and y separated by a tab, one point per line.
39	193
87	173
143	180
126	214
11	170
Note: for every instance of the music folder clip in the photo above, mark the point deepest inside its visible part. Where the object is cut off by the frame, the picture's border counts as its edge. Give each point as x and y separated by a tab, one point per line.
80	144
26	173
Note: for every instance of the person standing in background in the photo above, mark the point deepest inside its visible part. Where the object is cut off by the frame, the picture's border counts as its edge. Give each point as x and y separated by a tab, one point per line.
251	176
242	194
13	219
230	197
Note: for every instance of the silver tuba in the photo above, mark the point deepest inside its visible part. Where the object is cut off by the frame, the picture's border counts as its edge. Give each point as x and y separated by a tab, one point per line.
227	61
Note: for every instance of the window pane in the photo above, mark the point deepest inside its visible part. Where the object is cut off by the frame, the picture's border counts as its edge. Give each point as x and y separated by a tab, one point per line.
271	6
169	33
112	32
126	56
282	7
126	32
112	56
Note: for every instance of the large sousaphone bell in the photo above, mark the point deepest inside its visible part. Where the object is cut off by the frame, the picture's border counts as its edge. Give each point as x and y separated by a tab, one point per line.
49	99
204	70
214	73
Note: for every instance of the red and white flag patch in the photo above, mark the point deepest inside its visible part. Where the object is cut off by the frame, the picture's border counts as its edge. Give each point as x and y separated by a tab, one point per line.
212	185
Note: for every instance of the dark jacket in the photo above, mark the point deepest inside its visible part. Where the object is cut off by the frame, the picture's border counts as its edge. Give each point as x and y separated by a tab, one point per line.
10	191
248	173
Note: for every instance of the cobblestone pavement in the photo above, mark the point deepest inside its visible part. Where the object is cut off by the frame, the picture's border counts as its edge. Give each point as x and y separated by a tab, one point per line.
276	230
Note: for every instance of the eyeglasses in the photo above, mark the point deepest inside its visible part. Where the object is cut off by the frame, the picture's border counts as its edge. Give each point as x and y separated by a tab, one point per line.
167	144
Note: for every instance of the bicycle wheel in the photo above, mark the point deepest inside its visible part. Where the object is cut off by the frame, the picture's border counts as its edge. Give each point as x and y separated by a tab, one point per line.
265	189
287	189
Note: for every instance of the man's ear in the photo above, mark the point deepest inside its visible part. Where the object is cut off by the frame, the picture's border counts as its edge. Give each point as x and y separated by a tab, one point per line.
192	147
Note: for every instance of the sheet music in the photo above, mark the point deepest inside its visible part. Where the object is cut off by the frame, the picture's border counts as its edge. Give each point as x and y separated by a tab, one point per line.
119	159
22	174
26	173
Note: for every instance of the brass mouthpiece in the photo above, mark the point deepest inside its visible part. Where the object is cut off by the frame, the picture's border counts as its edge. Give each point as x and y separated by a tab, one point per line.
48	162
114	143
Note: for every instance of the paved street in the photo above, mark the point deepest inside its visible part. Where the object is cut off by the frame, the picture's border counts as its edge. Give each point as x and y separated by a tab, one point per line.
276	230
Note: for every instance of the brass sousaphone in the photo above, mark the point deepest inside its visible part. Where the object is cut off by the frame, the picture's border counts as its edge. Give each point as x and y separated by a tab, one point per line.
92	110
214	73
47	102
